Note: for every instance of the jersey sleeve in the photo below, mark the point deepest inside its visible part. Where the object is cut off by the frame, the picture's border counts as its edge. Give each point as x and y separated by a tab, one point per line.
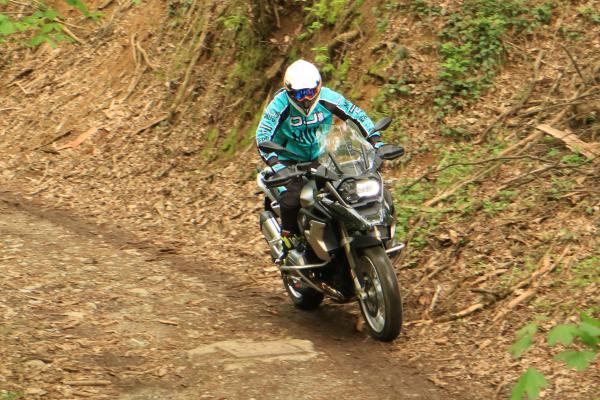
344	109
274	115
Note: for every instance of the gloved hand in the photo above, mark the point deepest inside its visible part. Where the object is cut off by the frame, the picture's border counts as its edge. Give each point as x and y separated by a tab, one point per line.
377	145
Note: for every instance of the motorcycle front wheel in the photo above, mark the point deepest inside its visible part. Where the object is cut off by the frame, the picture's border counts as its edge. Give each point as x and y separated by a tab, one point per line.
305	299
382	305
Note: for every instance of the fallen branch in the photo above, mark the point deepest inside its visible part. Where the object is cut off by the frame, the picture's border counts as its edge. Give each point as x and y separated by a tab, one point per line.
585	85
571	141
197	53
435	298
506	114
407	188
426	278
460	314
57	138
341	39
145	56
45	174
72	35
150	125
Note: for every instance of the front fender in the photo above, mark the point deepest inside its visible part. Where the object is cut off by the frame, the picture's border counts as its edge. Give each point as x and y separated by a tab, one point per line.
362	241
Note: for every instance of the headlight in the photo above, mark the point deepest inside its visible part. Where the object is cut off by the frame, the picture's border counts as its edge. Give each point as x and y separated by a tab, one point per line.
352	190
367	187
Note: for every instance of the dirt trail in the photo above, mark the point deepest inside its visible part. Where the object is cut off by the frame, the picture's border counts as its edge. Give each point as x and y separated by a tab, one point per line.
84	303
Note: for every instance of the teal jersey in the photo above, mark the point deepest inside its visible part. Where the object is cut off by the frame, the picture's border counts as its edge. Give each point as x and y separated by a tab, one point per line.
283	124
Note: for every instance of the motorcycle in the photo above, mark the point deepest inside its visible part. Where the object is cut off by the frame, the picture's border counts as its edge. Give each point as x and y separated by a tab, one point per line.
348	224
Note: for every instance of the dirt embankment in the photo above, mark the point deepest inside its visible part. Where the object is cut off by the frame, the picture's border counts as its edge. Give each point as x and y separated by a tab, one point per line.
87	128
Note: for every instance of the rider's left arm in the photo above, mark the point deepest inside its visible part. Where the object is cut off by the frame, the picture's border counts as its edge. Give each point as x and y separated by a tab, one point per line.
345	110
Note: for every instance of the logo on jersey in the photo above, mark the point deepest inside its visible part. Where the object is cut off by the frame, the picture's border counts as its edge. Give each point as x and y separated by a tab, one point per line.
272	116
316	118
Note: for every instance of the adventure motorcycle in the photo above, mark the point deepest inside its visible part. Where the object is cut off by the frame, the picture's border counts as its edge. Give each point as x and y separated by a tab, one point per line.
348	224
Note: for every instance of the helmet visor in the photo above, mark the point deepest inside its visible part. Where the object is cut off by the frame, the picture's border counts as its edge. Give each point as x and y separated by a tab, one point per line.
303	94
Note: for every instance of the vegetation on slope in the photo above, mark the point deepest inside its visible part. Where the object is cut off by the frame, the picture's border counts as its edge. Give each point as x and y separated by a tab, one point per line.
501	220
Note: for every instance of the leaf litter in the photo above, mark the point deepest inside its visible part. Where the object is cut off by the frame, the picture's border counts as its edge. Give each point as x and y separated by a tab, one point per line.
496	269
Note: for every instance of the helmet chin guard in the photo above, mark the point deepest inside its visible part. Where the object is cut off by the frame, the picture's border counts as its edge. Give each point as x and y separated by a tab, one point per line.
302	82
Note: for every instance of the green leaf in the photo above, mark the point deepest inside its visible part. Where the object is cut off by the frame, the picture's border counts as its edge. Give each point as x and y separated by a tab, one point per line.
586	318
6	28
521	345
564	333
528	330
23	43
20	26
47	28
51	14
575	358
39	14
530	383
4	1
36	40
77	4
50	42
137	1
589	329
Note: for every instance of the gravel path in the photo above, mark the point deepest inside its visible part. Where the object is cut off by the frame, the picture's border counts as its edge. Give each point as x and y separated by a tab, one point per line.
88	312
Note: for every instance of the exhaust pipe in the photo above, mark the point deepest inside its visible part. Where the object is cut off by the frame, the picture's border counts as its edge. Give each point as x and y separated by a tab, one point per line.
272	232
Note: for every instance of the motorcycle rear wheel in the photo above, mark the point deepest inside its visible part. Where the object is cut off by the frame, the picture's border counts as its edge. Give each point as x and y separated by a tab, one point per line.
382	307
307	299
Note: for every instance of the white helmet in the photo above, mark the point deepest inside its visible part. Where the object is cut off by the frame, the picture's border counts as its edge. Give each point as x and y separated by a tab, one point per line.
303	84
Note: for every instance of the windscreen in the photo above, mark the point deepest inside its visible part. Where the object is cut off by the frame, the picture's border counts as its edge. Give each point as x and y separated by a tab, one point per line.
345	142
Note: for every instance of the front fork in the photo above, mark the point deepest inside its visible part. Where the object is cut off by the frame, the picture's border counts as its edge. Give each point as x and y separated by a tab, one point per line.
353	261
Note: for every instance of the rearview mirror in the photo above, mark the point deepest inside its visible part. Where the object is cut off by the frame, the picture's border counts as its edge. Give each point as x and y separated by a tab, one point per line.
382	124
272	147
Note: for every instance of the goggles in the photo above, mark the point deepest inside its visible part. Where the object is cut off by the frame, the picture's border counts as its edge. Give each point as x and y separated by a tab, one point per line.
303	94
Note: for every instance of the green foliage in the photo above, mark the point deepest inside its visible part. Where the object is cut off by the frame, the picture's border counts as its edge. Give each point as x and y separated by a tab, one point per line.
590	13
345	68
322	59
530	382
586	334
577	359
323	12
526	334
586	272
12	395
41	24
472	44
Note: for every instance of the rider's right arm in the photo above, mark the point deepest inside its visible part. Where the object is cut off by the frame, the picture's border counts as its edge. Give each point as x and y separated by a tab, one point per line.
275	114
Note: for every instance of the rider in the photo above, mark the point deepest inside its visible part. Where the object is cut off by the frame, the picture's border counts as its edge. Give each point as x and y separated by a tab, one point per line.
291	120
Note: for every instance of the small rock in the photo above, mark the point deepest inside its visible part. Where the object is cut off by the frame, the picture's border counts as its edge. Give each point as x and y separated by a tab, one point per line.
75	314
35	391
36	363
360	324
91	305
157	278
139	291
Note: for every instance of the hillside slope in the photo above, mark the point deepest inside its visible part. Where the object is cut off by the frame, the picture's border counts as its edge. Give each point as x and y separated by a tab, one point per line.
147	123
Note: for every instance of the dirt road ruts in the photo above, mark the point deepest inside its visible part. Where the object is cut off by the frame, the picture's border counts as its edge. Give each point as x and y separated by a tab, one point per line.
90	312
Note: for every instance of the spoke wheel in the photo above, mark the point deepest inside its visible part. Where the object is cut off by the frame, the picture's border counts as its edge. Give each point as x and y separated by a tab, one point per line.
381	305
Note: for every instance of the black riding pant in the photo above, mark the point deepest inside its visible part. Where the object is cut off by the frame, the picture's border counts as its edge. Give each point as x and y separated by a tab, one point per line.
289	201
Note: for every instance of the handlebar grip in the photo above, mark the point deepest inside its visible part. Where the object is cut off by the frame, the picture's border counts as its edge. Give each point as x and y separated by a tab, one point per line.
269	172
